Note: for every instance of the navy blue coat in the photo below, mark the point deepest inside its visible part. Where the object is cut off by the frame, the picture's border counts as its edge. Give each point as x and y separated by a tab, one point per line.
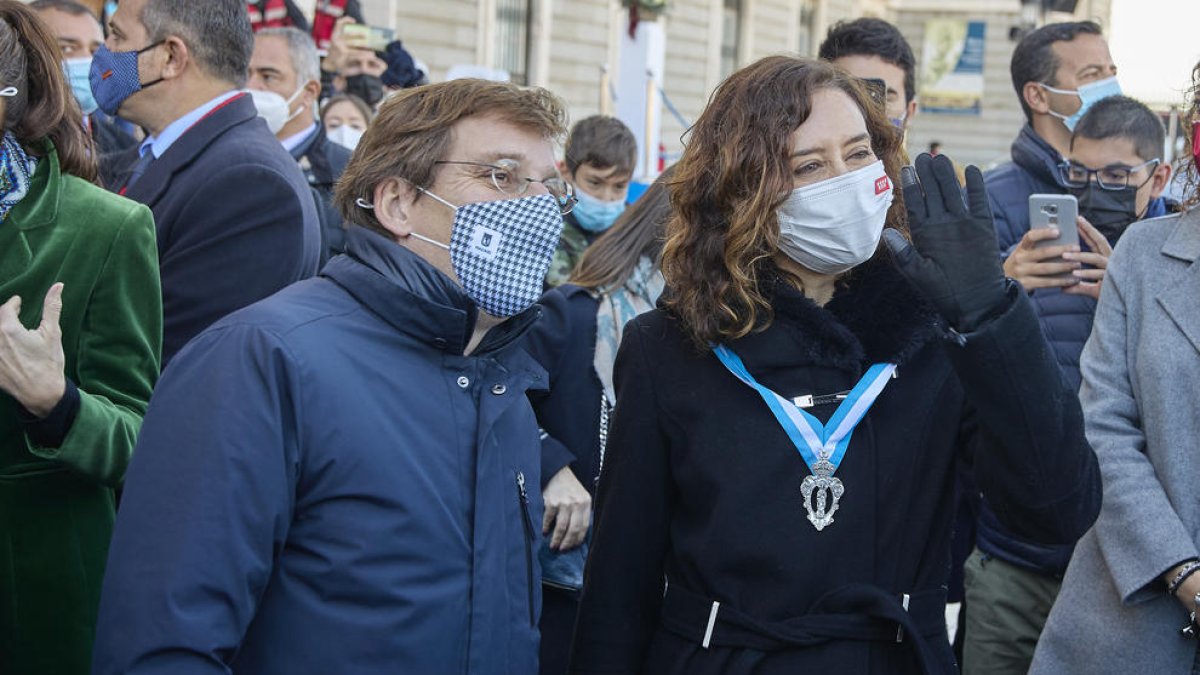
326	484
236	221
1066	319
564	341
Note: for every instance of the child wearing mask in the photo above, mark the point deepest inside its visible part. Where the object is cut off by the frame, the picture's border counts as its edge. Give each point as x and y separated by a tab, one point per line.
601	154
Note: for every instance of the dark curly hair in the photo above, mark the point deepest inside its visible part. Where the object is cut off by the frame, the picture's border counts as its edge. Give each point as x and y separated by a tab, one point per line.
734	175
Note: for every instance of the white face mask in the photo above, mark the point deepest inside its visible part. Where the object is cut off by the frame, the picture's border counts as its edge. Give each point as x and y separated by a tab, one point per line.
835	225
275	109
345	136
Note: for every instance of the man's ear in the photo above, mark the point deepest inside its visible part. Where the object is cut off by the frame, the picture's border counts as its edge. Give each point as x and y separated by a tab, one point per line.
394	200
312	90
1160	180
1036	97
910	114
176	57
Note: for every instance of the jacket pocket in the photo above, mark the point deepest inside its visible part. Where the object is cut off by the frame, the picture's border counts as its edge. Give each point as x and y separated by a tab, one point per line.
527	524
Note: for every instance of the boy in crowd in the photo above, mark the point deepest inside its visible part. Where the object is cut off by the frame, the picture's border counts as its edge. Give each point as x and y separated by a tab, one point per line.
601	154
874	49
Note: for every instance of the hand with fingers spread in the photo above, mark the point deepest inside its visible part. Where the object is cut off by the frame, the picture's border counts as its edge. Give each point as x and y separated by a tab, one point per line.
568	510
32	361
1091	277
953	258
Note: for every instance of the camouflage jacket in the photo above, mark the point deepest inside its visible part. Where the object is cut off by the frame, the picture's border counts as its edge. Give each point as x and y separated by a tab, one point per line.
570	249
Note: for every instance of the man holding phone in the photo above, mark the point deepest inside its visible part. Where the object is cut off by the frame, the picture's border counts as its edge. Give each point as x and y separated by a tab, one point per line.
1113	168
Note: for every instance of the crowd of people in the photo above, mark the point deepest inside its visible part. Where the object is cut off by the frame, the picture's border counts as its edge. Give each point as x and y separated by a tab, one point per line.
310	365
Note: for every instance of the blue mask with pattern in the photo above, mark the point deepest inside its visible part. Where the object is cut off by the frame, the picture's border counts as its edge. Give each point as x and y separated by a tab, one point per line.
114	77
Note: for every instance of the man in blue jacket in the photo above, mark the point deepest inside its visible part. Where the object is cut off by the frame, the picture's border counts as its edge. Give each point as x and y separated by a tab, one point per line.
343	478
236	221
1113	166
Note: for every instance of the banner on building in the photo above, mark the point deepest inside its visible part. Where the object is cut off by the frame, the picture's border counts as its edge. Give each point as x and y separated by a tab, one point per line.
952	67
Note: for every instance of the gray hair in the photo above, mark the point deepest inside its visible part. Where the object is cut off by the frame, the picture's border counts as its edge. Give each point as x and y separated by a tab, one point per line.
302	51
217	33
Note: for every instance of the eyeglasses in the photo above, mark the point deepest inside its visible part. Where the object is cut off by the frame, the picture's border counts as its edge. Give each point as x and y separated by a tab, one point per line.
1109	178
504	177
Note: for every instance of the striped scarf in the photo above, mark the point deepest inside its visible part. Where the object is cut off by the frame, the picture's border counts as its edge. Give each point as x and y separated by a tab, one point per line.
16	172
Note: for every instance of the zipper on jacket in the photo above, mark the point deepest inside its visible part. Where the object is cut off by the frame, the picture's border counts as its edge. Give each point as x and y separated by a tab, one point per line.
529	539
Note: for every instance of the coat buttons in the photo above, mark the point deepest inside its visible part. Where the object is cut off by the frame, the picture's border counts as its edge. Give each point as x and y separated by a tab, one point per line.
463	381
499	389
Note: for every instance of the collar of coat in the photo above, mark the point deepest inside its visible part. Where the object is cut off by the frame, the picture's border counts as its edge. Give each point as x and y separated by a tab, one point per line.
1032	153
414	296
875	316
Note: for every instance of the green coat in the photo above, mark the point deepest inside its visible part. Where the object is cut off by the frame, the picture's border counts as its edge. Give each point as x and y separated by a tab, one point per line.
57	505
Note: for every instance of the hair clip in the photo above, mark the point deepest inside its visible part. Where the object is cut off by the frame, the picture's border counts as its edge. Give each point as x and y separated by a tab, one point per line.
9	91
364	204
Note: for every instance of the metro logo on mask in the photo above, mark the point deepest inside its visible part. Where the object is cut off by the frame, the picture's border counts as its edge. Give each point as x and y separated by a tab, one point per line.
882	185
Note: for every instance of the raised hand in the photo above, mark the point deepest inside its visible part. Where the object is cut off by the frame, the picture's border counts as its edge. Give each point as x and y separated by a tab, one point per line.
953	258
32	361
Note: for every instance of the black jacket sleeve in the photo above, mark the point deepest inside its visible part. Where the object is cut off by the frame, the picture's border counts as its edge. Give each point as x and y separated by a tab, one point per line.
1031	458
623	585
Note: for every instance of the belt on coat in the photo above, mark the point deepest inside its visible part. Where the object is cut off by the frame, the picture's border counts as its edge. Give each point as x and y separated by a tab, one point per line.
851	612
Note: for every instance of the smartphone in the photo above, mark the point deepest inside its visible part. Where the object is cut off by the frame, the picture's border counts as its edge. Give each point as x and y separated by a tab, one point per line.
1061	211
361	36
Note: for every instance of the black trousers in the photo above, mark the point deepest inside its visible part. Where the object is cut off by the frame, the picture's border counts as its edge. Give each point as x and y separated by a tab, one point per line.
559	609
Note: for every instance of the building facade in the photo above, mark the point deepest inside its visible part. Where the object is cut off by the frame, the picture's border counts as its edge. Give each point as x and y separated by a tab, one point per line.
573	47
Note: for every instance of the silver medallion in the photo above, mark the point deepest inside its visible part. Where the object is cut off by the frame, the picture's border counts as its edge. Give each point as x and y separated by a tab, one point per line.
821	492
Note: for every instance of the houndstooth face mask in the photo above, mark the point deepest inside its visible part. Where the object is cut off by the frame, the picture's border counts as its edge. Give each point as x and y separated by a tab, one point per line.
501	250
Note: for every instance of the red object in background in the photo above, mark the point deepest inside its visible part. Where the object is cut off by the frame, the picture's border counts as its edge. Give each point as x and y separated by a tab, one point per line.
662	158
326	15
268	14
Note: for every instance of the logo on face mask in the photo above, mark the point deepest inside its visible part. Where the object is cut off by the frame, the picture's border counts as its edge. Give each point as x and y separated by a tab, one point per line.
882	185
485	243
835	225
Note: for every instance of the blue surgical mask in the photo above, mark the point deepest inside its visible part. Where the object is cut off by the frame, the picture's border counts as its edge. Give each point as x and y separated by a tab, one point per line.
898	122
78	74
1088	95
596	215
115	76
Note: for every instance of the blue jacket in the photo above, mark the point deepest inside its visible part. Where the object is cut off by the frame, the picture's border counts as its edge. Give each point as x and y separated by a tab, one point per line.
235	218
325	484
1066	320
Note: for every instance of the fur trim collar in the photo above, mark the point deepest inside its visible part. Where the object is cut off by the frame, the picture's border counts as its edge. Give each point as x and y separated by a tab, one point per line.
875	316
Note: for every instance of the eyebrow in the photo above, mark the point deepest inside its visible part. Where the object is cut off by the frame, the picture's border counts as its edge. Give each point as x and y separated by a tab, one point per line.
811	151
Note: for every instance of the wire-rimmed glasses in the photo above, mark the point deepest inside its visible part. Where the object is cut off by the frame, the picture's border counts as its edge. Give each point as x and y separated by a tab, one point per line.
504	176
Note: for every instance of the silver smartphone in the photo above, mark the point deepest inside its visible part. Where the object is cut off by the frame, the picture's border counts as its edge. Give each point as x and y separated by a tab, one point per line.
1061	211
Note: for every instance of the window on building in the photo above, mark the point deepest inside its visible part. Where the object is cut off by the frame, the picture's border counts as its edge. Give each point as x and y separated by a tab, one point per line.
807	44
513	18
731	22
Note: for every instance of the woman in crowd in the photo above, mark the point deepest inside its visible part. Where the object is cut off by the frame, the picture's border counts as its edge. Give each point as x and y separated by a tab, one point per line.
781	459
576	339
345	118
1132	591
76	369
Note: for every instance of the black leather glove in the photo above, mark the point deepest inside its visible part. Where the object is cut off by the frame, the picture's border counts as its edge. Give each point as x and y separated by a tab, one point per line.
953	258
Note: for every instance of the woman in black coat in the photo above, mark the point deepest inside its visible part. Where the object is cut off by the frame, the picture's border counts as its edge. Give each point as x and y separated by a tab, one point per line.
576	339
779	553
